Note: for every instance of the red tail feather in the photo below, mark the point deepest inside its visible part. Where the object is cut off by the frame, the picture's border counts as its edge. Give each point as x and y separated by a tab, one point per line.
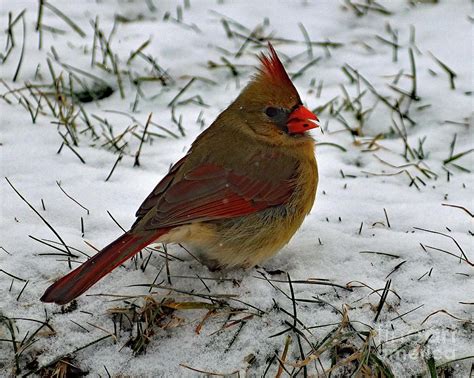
82	278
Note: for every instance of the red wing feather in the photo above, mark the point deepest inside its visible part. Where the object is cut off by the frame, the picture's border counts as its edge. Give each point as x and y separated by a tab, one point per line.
210	192
156	193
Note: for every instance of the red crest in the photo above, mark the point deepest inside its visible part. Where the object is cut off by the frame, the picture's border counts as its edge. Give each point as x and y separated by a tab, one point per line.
273	69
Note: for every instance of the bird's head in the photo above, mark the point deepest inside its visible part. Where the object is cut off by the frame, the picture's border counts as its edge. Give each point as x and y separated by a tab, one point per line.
270	104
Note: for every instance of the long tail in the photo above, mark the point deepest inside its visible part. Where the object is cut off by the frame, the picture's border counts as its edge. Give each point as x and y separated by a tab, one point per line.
82	278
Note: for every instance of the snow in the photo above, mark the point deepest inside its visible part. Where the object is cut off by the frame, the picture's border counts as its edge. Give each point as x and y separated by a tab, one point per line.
357	186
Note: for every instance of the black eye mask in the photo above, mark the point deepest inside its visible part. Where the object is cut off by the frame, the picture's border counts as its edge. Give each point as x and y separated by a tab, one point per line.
279	116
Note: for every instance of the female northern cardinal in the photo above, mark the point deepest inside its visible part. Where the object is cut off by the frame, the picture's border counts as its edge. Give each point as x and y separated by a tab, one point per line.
239	194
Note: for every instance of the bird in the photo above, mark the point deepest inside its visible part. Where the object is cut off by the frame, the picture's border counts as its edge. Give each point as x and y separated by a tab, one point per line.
239	194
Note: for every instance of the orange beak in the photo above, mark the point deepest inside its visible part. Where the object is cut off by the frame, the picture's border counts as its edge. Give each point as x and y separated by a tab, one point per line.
301	120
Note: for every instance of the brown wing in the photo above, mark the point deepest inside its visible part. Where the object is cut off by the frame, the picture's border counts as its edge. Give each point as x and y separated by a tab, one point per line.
211	192
156	193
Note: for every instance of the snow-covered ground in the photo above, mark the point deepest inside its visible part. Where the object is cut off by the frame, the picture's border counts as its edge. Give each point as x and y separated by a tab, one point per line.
392	210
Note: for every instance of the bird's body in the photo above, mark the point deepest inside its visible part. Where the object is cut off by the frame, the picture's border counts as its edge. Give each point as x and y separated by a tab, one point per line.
237	197
248	240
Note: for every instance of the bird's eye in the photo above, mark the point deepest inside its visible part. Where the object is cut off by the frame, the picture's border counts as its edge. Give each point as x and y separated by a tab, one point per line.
271	111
